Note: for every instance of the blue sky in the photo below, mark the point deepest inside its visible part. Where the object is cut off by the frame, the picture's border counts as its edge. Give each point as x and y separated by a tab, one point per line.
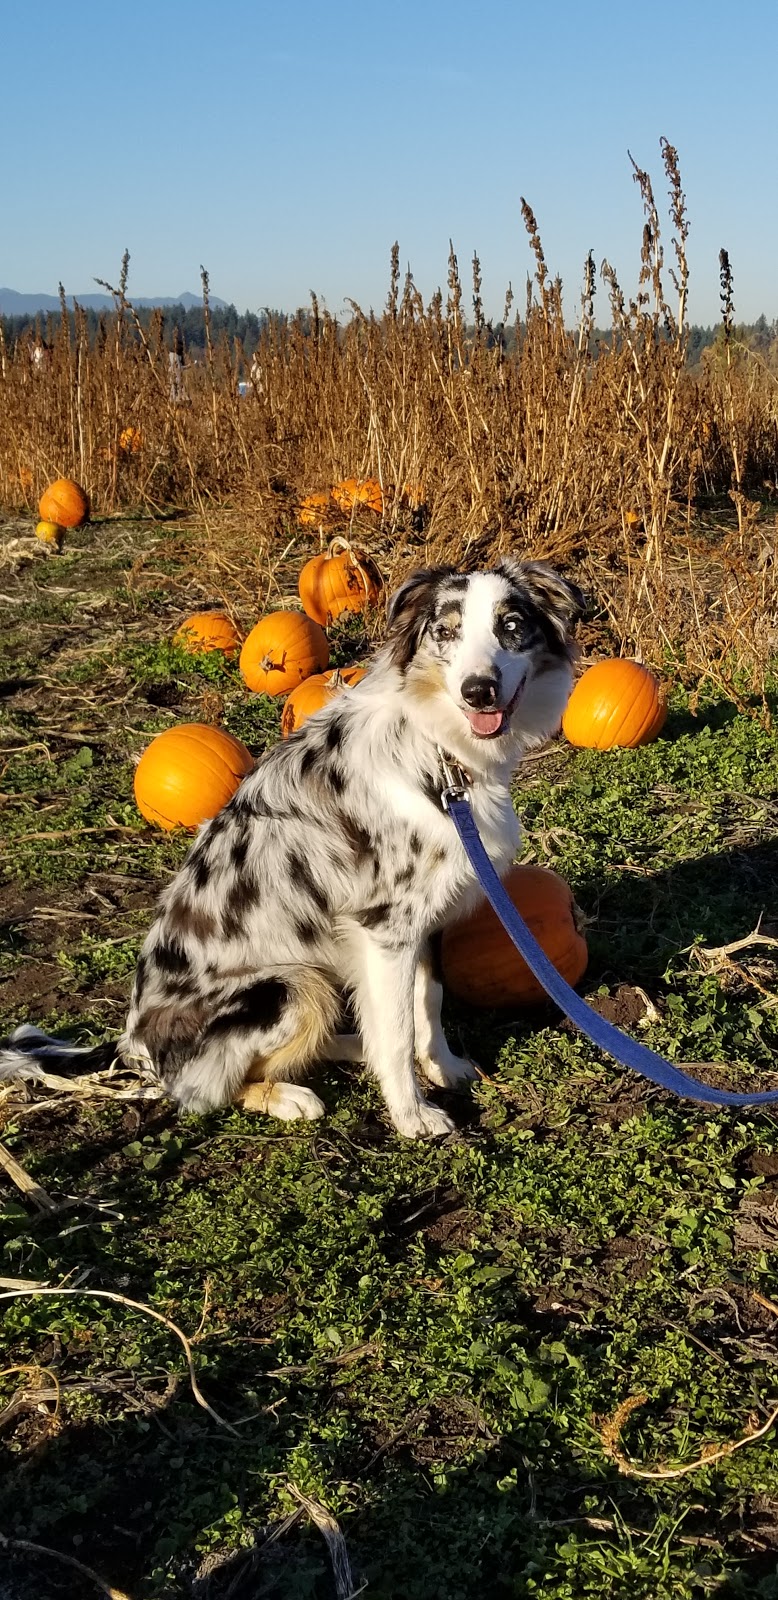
287	146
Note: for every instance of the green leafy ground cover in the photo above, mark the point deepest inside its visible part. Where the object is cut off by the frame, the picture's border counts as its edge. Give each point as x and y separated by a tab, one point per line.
427	1340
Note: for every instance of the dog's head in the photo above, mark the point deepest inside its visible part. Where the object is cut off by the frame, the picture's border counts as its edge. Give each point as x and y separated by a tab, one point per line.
489	652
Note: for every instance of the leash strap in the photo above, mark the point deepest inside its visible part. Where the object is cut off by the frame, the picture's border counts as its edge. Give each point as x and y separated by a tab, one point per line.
630	1052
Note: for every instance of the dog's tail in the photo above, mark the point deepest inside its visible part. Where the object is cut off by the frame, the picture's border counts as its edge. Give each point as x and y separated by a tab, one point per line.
28	1053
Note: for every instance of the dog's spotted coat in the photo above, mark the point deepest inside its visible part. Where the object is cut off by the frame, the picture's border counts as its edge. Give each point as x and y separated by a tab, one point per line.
334	865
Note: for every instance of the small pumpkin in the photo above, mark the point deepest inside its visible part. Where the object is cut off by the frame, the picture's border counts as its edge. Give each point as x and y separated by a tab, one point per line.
282	650
340	579
65	503
188	773
208	630
482	965
50	533
314	693
316	510
615	703
351	492
130	440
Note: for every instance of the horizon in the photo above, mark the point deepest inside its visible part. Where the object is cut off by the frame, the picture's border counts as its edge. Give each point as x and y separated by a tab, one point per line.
297	172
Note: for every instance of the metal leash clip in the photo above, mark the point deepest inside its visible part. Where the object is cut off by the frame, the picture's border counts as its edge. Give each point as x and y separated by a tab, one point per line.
455	781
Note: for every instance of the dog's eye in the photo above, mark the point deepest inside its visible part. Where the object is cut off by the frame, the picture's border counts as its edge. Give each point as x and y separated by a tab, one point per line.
511	624
441	633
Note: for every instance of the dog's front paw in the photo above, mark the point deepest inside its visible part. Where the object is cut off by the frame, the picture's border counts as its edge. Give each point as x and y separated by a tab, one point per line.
447	1071
424	1122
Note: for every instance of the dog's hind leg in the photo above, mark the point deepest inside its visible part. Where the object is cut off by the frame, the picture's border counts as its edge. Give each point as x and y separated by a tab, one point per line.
285	1100
381	981
343	1047
433	1052
249	1049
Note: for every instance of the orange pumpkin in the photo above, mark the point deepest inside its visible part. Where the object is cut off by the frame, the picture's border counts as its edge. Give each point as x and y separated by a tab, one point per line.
314	693
483	966
208	630
282	650
351	492
188	773
615	703
130	440
343	579
65	503
316	510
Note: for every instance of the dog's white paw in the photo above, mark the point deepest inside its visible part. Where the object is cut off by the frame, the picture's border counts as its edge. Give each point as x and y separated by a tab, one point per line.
424	1122
288	1101
447	1071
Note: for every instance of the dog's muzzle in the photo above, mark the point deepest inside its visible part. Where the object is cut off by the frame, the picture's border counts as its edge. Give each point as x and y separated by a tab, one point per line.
487	719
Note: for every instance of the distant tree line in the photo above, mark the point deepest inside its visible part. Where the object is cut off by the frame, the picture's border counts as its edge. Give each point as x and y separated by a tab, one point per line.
179	325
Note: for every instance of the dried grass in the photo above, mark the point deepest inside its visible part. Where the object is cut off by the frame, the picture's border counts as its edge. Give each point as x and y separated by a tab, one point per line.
530	438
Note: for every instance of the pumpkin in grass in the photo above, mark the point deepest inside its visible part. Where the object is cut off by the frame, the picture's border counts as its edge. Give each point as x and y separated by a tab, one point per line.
208	630
482	965
65	503
314	693
316	510
130	440
50	533
615	703
340	579
281	651
188	773
353	492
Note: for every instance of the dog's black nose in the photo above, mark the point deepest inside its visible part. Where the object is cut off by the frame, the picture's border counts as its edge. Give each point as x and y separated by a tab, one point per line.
480	693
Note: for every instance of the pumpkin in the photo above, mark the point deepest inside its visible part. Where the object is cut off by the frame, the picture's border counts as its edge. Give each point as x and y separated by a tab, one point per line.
188	773
482	965
316	510
341	579
282	650
65	503
50	533
314	693
208	630
616	702
130	440
351	492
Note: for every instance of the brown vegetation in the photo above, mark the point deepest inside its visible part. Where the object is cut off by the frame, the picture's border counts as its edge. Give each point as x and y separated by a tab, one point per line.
595	453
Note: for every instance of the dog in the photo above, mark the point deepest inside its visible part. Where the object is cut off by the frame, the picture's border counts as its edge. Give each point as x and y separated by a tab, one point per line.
334	865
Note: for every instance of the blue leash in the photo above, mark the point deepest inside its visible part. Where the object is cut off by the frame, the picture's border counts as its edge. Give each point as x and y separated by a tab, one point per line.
630	1052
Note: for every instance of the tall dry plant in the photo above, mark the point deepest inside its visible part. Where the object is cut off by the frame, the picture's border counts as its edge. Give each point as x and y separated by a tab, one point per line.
528	436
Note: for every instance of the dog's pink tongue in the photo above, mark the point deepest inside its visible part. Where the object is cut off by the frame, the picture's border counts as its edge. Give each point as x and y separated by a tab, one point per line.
485	722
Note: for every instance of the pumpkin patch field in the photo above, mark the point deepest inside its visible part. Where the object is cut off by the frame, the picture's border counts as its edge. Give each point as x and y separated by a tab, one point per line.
312	1359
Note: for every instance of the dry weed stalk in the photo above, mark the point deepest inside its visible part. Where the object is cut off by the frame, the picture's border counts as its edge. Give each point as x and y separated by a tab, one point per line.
611	1429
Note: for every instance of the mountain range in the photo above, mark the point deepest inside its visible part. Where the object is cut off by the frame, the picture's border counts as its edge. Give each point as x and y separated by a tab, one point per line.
13	304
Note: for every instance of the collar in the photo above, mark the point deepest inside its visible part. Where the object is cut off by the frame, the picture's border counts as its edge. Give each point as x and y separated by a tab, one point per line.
456	781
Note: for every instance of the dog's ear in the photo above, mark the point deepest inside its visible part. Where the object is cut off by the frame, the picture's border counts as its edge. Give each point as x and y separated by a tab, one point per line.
410	609
561	601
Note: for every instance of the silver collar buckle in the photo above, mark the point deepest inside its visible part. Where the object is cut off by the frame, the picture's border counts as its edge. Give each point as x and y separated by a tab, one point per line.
455	781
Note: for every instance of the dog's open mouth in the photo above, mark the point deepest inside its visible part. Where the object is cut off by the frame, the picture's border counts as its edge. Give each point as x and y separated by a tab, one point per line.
490	724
